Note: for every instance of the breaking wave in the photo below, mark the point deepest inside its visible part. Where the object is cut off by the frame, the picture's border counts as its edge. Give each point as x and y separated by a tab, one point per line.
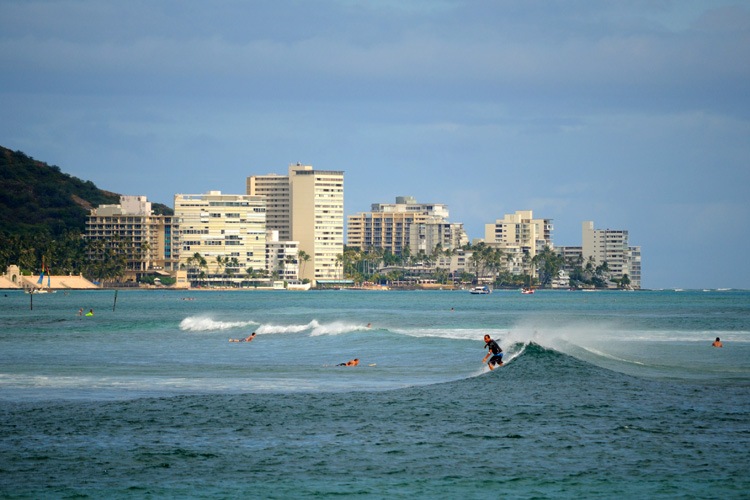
204	324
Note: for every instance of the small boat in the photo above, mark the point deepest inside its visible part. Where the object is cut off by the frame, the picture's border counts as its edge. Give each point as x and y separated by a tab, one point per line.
527	290
480	290
299	286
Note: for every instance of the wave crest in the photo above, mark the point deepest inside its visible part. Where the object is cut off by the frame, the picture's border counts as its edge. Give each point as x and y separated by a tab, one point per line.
337	328
316	329
204	324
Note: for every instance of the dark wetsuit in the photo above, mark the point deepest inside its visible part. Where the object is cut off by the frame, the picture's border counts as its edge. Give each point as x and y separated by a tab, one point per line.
497	353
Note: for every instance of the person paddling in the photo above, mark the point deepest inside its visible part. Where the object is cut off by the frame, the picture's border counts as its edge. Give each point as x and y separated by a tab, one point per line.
248	339
495	351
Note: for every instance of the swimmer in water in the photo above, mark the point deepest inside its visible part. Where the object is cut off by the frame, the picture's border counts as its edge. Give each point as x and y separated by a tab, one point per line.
248	339
353	362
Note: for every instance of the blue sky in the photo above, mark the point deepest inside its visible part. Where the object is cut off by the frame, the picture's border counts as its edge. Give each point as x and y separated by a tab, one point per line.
631	114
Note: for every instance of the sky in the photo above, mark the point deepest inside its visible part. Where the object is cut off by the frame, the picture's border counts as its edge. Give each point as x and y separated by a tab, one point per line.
632	114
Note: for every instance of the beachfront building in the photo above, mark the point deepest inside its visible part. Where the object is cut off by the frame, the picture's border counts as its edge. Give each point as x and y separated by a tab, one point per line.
308	208
278	202
282	259
605	245
634	266
405	224
227	231
149	242
428	235
572	257
456	262
520	236
612	246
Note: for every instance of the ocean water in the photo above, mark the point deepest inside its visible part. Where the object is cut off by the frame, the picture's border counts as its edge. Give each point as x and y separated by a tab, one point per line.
603	395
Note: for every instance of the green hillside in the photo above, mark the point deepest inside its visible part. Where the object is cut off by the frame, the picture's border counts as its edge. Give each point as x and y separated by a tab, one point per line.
39	198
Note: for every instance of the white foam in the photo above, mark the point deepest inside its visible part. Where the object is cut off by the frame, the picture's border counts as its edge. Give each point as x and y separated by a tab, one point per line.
270	329
451	333
337	328
204	324
315	327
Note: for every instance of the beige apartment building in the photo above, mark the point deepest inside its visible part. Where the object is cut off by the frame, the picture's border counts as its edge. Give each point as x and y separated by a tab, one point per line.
282	257
150	242
521	237
278	202
308	207
227	230
612	246
405	224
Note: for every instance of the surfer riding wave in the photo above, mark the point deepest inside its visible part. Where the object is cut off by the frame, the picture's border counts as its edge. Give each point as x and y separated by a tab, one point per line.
495	351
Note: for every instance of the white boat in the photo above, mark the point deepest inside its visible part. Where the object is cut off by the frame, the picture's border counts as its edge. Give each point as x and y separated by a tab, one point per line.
527	291
299	286
480	290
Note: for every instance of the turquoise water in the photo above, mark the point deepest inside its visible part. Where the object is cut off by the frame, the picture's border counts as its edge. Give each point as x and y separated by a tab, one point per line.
603	395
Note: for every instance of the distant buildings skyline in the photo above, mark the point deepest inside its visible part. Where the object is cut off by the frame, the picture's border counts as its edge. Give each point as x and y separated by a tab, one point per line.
284	218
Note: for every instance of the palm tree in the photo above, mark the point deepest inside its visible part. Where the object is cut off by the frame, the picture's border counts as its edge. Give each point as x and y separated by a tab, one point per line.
304	257
495	262
405	257
589	269
221	263
624	281
548	263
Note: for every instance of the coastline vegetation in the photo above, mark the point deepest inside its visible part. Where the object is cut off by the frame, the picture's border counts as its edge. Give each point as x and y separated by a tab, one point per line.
381	266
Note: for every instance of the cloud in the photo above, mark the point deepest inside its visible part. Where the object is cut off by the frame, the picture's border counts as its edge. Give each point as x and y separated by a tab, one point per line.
497	52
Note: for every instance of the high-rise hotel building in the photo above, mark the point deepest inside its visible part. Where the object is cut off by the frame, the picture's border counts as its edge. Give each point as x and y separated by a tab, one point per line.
612	246
518	235
307	206
405	224
149	242
278	202
227	230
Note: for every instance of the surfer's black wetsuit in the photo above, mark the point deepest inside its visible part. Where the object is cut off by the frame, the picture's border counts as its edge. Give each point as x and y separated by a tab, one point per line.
497	353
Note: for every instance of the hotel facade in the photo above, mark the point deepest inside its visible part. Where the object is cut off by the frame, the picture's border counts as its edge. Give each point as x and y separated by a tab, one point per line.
227	230
149	242
308	207
612	246
521	237
405	224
